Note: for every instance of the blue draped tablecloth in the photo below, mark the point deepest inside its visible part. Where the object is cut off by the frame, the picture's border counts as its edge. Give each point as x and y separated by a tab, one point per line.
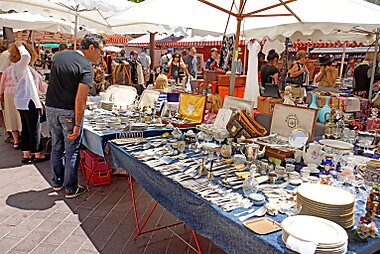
221	227
95	141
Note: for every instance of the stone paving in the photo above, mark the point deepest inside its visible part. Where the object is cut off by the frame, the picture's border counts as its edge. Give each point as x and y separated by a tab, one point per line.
35	219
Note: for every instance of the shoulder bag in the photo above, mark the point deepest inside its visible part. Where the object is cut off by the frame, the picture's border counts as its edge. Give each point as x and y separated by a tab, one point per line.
298	80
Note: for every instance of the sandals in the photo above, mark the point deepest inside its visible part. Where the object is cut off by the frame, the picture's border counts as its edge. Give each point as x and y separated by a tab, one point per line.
26	160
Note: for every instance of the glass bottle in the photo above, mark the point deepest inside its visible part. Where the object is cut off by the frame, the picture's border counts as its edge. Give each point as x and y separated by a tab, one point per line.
325	109
250	185
313	101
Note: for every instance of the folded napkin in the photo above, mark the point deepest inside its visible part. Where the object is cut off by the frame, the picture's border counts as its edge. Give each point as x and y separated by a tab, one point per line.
303	247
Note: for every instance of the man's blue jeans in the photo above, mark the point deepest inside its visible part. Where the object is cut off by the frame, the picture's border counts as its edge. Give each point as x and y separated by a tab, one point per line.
64	153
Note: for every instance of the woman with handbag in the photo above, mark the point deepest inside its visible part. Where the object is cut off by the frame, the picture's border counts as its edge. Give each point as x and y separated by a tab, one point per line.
299	74
176	65
27	100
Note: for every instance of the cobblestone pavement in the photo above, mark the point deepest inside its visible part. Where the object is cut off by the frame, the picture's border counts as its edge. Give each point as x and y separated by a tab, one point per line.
35	219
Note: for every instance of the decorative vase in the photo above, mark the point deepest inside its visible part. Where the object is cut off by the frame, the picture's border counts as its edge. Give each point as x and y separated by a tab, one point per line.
325	109
313	101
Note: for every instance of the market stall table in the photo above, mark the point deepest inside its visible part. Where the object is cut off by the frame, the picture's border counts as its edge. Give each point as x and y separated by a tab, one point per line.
223	228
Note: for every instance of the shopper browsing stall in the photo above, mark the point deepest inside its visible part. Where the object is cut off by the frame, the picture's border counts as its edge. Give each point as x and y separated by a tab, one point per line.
71	78
270	71
299	74
212	63
162	85
213	105
192	62
176	67
145	61
326	78
4	64
362	77
26	99
164	62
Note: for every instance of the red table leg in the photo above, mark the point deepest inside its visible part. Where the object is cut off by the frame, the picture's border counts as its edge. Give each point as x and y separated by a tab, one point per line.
138	228
197	242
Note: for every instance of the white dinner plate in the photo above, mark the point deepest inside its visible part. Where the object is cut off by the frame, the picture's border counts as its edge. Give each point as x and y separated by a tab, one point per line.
325	194
314	229
336	144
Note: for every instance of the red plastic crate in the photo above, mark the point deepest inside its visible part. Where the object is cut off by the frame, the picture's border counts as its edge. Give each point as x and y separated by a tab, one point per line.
90	159
96	171
100	176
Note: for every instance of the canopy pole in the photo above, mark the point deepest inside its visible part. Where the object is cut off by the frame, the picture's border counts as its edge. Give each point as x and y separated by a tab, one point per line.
235	53
235	57
374	66
342	63
76	28
286	55
151	49
245	58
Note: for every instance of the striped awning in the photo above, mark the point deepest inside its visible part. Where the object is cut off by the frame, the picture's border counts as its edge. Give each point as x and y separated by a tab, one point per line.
197	41
40	36
324	44
115	39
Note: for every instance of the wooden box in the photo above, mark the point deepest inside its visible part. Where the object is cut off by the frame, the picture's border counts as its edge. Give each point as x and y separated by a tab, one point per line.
211	75
224	85
276	152
224	80
265	105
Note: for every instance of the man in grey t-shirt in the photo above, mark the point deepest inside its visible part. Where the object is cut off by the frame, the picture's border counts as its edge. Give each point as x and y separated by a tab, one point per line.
70	81
192	62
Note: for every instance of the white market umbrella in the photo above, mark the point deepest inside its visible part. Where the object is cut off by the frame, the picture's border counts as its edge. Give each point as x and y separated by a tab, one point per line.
315	31
212	15
93	14
256	14
88	15
27	21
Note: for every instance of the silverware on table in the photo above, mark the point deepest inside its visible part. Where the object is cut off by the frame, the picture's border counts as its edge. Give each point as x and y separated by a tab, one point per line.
248	211
259	212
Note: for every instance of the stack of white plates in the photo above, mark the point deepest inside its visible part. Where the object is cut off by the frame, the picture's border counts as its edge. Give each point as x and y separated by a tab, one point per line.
327	202
329	236
106	105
